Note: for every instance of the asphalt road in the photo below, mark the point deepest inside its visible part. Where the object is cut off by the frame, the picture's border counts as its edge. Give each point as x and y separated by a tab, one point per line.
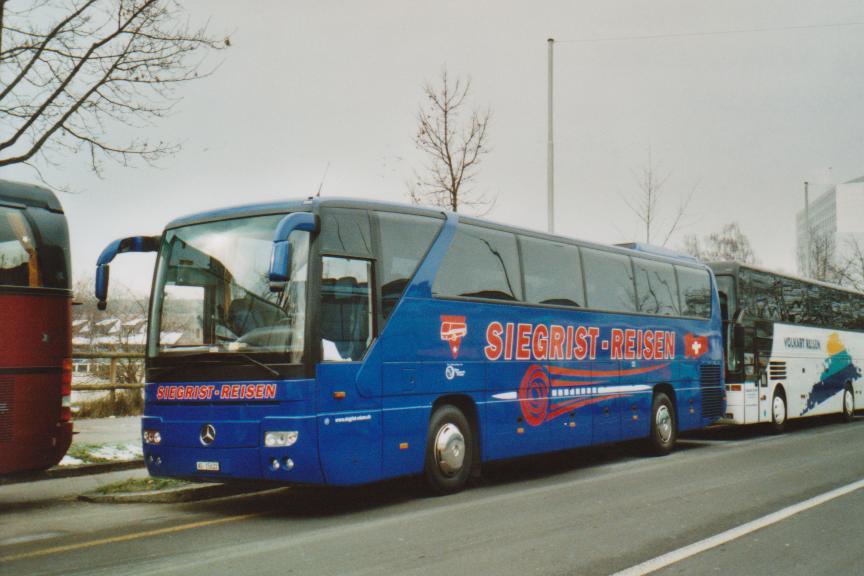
596	511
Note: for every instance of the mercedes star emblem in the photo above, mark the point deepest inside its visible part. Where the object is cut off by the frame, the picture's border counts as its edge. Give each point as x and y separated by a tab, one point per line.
208	434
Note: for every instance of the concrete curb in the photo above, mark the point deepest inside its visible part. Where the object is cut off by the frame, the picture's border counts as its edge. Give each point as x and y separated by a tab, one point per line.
72	471
190	493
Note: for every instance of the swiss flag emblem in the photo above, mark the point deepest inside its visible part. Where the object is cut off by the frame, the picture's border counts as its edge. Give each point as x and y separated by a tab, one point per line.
695	346
453	329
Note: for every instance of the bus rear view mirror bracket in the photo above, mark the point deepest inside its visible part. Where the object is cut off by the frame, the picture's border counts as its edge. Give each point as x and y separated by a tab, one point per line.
121	246
280	258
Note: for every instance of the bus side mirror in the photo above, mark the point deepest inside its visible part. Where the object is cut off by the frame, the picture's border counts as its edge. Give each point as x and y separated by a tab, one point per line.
280	257
131	244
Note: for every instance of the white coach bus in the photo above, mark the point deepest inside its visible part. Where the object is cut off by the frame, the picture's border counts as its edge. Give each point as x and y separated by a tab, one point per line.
794	347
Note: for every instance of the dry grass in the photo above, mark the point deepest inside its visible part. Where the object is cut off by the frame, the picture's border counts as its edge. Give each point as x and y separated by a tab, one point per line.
125	403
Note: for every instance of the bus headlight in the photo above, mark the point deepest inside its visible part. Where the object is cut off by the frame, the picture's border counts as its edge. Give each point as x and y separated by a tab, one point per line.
152	437
280	439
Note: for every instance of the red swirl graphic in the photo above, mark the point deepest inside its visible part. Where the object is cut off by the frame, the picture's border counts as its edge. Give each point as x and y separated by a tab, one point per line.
534	395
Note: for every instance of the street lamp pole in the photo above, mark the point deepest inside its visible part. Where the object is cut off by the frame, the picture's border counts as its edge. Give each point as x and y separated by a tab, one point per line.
550	150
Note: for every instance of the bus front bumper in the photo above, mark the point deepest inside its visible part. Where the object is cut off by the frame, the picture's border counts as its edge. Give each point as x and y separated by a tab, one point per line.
236	453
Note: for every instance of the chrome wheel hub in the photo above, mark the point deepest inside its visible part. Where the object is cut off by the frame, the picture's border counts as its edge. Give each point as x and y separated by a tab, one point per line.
663	423
779	408
449	449
848	402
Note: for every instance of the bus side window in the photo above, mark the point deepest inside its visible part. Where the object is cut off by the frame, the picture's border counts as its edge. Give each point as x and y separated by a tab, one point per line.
405	238
346	308
609	281
480	263
18	259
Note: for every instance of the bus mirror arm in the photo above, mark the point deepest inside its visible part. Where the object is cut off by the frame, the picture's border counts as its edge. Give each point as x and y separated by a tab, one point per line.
121	246
280	257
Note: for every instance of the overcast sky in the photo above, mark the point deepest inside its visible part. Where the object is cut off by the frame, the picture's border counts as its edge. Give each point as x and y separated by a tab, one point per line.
743	118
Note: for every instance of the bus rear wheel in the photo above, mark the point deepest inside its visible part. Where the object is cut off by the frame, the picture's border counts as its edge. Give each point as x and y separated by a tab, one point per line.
848	404
449	450
663	425
778	412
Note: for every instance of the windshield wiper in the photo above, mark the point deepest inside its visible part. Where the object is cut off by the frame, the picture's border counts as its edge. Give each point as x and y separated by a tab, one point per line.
258	363
231	355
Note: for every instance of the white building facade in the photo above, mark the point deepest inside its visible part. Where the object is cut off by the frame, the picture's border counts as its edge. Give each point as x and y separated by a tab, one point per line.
836	221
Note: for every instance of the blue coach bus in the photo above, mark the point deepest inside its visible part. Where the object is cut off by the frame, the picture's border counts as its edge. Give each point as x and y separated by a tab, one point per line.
332	341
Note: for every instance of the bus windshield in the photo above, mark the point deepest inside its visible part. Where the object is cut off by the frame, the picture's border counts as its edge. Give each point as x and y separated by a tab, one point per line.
212	292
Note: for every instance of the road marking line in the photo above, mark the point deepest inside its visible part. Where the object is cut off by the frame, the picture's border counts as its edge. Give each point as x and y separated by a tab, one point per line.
126	537
733	533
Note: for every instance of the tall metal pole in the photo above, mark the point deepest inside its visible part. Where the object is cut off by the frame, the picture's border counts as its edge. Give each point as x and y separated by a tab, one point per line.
807	228
550	151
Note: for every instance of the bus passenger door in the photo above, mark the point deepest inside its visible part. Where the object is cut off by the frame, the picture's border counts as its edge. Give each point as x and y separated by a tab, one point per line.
348	378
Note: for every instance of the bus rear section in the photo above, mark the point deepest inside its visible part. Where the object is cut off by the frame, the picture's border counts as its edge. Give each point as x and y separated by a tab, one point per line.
35	317
344	342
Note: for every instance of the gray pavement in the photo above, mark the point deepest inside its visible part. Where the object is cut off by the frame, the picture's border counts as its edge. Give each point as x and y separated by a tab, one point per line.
118	430
593	511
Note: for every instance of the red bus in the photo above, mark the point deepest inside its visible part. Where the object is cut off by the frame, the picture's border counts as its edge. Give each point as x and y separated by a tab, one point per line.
35	329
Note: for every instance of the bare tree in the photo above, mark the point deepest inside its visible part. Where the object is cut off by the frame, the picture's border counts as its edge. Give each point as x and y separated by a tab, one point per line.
850	271
453	149
72	72
645	203
820	258
730	244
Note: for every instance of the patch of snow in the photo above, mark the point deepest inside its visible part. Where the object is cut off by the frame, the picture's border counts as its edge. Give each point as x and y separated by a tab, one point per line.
70	461
117	452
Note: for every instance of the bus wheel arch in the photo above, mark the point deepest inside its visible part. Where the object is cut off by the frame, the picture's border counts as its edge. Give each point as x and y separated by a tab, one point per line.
452	444
779	410
664	420
848	410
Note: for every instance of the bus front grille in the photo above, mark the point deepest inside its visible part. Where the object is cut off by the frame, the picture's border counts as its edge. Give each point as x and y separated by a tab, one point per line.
7	404
712	391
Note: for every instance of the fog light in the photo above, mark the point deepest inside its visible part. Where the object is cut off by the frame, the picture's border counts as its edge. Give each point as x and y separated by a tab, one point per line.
288	463
280	439
152	437
274	464
158	461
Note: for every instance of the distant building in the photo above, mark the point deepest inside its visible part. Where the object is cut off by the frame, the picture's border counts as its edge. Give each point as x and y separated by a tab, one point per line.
836	218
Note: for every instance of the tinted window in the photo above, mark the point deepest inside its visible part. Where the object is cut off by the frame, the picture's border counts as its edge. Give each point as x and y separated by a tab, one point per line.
694	287
656	287
609	281
19	264
761	293
482	263
858	311
818	311
346	308
345	231
728	296
404	241
552	273
793	300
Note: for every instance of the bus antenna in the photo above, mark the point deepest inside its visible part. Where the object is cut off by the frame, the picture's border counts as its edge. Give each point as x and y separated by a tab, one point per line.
324	177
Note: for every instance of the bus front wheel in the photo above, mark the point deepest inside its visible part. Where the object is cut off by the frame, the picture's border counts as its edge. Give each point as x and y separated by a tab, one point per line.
663	426
848	404
448	450
778	412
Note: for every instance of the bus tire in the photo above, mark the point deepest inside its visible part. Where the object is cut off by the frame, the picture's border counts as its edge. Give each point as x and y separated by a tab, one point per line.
663	425
848	403
778	411
449	450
